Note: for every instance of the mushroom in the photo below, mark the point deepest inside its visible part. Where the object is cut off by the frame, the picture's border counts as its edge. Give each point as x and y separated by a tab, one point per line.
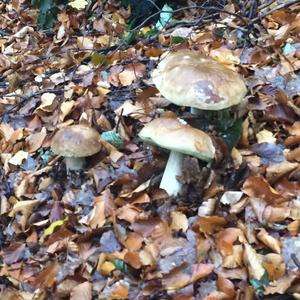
188	78
177	136
76	142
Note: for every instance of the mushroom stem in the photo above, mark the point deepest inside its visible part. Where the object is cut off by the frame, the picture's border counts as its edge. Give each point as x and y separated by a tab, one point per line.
173	169
75	163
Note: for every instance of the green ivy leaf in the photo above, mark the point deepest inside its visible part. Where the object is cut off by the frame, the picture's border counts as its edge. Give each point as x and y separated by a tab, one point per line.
48	12
232	134
259	285
113	138
164	17
124	267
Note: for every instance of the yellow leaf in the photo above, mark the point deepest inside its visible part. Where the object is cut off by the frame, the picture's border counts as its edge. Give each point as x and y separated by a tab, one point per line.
107	268
53	226
78	4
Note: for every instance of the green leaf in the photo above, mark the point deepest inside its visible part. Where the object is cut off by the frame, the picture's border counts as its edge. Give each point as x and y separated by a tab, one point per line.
45	155
113	138
288	49
259	285
164	17
124	267
98	59
121	265
48	12
232	134
178	39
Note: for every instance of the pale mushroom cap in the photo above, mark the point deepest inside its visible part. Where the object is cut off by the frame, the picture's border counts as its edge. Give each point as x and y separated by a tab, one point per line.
176	135
188	78
76	141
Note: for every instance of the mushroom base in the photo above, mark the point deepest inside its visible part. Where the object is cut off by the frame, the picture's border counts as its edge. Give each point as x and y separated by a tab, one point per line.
75	163
169	182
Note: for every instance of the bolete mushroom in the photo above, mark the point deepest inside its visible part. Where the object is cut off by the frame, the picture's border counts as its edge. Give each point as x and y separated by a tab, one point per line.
188	78
176	135
76	142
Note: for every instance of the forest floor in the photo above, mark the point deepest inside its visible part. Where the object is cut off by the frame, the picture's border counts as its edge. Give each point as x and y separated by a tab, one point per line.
108	231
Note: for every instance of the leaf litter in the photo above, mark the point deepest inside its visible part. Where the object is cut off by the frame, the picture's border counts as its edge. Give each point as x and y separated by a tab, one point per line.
109	232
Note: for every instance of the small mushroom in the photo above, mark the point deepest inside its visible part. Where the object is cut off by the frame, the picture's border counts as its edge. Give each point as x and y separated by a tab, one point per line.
188	78
76	142
180	138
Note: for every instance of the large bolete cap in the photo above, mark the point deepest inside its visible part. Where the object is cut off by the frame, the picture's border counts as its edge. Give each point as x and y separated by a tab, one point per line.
176	135
188	78
76	141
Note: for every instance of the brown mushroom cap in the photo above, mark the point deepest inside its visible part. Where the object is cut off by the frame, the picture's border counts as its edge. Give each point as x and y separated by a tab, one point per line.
175	135
76	141
188	78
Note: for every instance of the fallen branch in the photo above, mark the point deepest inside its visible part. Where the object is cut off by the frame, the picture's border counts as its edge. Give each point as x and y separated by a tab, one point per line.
278	7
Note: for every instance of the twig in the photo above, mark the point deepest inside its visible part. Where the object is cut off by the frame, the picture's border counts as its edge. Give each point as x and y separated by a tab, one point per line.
264	5
295	260
278	7
191	7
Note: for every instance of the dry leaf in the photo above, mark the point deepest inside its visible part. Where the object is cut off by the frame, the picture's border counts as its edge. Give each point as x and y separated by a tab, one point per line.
179	221
82	291
210	224
131	72
97	217
18	158
35	140
269	241
253	262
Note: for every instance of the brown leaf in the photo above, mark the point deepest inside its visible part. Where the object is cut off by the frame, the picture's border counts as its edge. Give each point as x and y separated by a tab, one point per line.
226	286
274	265
47	277
182	277
226	238
258	187
210	224
82	291
269	241
97	218
35	140
131	73
14	253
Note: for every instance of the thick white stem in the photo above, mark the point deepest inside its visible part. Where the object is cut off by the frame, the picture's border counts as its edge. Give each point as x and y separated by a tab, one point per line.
173	168
74	163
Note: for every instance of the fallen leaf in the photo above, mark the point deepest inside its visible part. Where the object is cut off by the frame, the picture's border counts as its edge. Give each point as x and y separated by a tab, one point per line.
269	241
182	277
254	263
47	277
82	291
131	73
35	140
179	221
258	187
97	218
18	158
210	224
